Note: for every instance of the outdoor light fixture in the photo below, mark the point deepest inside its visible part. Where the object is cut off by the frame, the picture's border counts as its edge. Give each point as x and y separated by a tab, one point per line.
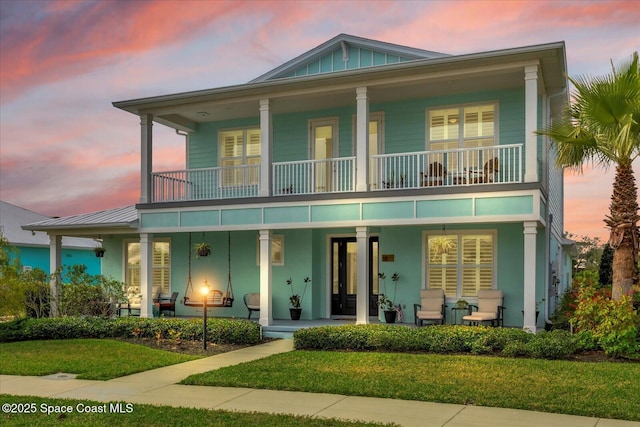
205	294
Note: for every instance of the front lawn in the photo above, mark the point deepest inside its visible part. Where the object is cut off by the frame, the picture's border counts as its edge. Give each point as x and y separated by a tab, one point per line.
605	389
91	359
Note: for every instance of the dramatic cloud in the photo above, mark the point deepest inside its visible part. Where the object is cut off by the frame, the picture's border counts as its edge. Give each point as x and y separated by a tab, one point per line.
65	150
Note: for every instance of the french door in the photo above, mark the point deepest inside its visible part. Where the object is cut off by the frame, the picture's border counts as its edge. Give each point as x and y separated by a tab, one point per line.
344	276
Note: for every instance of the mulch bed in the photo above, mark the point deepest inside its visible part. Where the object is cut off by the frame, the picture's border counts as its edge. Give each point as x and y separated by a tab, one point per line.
185	347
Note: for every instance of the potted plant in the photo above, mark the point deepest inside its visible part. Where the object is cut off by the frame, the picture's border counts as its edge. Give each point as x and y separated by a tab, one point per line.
385	303
537	309
99	251
202	249
296	300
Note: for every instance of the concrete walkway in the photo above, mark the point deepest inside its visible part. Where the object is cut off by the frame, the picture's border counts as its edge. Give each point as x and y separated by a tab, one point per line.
159	387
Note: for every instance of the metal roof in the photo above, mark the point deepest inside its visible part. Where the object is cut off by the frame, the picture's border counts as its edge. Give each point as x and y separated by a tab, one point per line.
119	217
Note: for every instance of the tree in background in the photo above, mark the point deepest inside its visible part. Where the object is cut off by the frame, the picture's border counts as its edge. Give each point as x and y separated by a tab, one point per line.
602	125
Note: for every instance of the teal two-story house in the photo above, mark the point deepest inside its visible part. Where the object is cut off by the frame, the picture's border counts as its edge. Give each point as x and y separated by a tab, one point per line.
357	157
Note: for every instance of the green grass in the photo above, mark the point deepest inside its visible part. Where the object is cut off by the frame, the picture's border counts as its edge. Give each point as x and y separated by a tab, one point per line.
148	415
91	359
604	389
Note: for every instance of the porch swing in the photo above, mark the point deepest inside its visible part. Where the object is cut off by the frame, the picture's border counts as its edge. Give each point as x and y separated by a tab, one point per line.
215	298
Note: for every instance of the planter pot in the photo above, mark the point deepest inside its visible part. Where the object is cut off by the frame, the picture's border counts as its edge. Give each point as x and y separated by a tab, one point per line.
204	252
295	313
99	252
390	316
156	309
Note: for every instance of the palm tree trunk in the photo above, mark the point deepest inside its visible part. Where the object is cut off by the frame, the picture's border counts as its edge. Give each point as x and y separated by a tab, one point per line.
623	222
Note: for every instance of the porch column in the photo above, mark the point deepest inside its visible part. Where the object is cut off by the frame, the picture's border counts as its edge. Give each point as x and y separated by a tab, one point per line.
362	306
55	262
362	139
146	274
146	145
530	235
266	311
265	148
531	123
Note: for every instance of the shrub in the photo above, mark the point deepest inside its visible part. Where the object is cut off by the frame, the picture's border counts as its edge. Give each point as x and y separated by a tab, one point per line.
437	339
222	331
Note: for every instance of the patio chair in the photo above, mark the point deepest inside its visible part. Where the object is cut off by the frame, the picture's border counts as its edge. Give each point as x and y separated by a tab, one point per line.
489	309
435	177
169	305
252	302
431	307
132	306
488	172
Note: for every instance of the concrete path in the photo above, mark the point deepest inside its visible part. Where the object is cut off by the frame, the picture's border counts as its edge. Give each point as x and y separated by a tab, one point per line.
159	387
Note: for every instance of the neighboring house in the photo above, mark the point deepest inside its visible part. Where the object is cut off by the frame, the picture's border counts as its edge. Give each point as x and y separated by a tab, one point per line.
33	246
354	158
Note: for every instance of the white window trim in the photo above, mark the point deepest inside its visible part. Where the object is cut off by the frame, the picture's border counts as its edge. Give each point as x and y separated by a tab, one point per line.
496	121
274	238
125	254
221	157
458	232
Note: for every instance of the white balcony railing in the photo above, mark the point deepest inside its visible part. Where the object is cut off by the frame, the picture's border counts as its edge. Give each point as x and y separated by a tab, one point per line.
500	164
203	184
459	167
314	176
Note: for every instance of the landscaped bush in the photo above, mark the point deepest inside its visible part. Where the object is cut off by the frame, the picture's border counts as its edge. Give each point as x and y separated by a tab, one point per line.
437	339
221	331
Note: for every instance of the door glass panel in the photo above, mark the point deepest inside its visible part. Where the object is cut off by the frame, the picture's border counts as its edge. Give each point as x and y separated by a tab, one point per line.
352	270
336	268
322	150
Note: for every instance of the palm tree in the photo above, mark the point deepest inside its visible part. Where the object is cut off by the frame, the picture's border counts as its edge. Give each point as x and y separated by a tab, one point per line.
602	126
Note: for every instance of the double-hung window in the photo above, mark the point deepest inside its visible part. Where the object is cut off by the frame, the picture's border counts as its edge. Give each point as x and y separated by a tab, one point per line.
460	263
464	127
240	157
161	260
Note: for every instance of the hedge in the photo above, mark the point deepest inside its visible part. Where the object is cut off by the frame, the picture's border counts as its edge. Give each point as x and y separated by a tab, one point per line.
221	331
437	339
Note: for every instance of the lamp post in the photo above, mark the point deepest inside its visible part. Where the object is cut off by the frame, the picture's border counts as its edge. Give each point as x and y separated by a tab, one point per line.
205	293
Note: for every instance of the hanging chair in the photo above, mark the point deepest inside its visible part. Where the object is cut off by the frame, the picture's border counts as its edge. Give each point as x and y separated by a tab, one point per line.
215	298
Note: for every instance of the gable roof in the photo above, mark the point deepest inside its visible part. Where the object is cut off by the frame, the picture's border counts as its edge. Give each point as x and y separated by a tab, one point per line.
345	52
12	220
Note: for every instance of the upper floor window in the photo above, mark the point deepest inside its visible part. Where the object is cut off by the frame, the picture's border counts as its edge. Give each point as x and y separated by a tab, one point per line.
470	126
240	156
161	264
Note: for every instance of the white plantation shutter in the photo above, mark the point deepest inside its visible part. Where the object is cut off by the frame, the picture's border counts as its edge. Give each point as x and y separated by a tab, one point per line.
240	148
161	267
467	267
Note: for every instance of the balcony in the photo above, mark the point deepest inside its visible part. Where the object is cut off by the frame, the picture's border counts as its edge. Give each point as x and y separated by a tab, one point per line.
447	168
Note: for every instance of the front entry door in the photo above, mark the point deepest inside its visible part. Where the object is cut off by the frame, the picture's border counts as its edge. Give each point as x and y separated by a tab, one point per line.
344	276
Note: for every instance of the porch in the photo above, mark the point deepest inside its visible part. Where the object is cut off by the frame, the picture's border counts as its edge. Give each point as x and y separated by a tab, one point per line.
501	164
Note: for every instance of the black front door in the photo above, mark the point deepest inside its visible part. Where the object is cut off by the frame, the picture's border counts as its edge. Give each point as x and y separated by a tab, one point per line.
344	276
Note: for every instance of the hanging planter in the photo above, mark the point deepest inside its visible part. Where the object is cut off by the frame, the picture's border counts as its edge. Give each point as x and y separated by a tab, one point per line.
99	251
202	249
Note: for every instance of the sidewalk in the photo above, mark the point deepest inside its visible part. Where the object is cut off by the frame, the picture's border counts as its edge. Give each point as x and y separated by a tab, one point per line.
159	387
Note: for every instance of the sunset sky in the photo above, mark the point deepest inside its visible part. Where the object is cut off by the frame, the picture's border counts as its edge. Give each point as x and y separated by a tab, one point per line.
65	150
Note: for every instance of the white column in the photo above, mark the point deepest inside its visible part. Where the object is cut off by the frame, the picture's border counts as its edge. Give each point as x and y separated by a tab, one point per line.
531	123
362	139
266	311
55	262
146	147
265	148
146	274
530	235
362	306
